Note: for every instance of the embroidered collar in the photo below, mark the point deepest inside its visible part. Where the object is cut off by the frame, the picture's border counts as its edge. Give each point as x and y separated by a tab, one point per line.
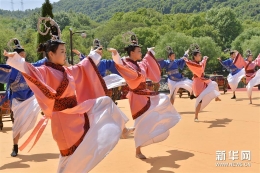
60	90
196	62
134	63
55	66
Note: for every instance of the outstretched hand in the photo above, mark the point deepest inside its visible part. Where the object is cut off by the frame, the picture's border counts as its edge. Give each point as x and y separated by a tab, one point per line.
205	57
9	54
112	50
151	48
187	52
236	52
186	59
76	51
99	50
219	58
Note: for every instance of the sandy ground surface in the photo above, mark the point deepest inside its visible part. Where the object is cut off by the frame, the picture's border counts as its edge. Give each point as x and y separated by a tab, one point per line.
230	125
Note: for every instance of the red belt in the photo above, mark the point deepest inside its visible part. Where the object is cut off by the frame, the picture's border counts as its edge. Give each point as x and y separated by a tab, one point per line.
250	71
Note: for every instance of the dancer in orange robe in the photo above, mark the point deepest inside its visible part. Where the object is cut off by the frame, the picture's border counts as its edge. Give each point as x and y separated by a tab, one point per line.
204	89
153	113
250	65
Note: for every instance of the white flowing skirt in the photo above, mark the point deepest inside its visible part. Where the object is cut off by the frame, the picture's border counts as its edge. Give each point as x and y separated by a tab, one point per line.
153	126
25	115
114	80
233	80
208	94
106	124
253	82
174	86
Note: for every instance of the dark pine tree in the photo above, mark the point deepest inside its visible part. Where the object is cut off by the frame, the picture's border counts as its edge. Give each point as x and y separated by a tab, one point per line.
46	11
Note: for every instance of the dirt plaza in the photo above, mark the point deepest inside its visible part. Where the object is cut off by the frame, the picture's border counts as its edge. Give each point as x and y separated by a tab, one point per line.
216	144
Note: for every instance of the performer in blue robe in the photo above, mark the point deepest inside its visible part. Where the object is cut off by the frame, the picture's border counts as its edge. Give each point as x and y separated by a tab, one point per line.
176	79
235	74
24	105
104	65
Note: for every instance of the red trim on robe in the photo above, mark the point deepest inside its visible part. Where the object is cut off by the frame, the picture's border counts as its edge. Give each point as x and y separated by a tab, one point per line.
143	110
72	149
60	90
236	58
99	76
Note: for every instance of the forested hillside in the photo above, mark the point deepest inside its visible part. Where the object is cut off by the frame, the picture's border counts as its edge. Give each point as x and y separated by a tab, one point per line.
104	9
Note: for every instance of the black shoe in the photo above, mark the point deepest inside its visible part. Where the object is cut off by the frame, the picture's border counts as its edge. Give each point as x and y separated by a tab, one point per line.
192	97
234	97
15	151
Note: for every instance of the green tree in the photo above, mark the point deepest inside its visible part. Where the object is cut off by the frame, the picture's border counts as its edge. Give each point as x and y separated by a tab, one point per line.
32	20
29	40
46	11
147	37
63	19
252	44
117	43
178	41
205	31
7	32
244	36
111	29
225	21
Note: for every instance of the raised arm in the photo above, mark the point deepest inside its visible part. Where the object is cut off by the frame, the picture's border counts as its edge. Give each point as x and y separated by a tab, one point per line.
96	59
181	63
225	63
163	63
151	66
204	62
36	79
197	69
126	72
81	56
16	61
40	62
239	61
86	75
257	60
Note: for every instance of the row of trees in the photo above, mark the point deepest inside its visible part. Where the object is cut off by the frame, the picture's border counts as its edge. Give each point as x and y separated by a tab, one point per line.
104	9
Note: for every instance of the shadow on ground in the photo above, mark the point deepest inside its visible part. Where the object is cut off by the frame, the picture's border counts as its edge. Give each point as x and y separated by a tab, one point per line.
6	129
218	122
158	163
191	112
242	99
26	159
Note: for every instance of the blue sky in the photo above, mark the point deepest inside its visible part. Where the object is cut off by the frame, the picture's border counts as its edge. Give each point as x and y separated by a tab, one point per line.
27	4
